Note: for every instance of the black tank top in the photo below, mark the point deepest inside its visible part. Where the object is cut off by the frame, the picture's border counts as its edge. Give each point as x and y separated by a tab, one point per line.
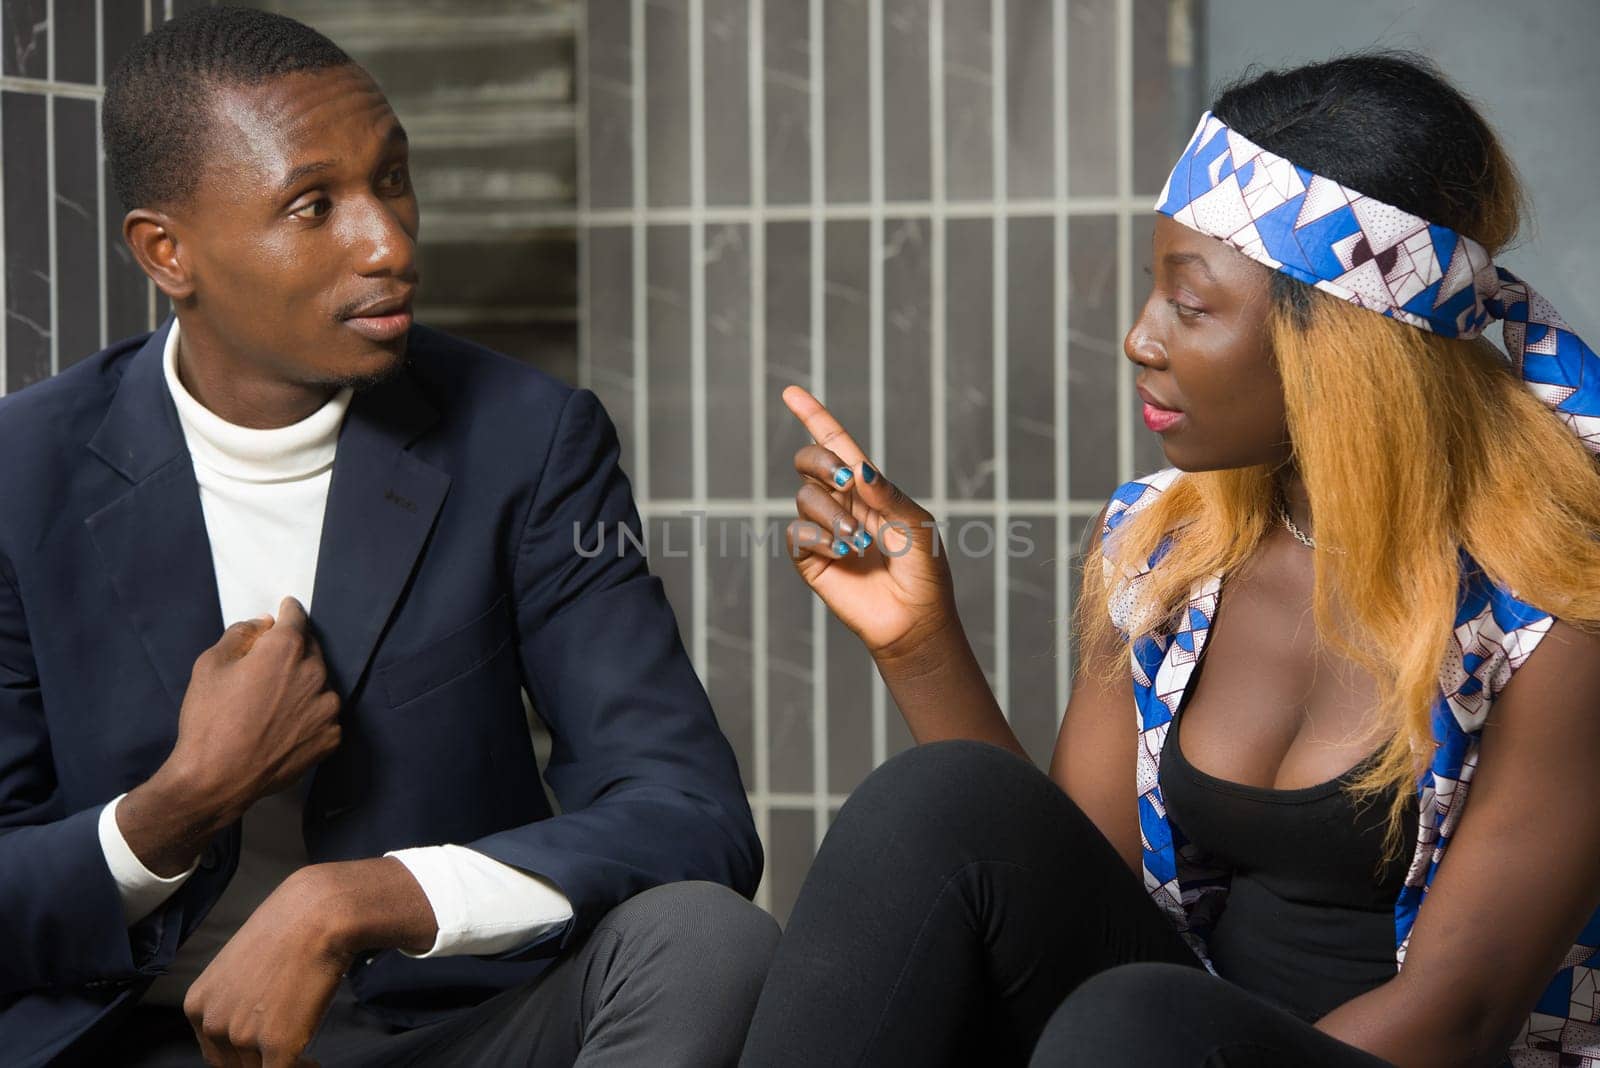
1309	920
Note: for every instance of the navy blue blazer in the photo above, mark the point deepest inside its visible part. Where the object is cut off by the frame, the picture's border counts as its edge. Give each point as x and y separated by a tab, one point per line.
447	582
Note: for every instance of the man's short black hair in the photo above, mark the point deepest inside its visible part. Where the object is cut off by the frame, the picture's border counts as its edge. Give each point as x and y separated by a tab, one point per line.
157	104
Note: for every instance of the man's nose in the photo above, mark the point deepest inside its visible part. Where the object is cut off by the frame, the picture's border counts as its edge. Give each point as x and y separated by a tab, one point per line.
389	247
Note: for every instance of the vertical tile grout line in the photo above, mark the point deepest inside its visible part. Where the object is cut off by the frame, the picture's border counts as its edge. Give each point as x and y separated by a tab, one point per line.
876	432
697	333
100	169
641	280
1124	234
999	181
758	436
819	634
581	106
1063	640
54	32
936	270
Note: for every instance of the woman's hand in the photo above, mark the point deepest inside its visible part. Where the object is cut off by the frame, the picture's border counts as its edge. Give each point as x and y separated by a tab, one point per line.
874	557
869	551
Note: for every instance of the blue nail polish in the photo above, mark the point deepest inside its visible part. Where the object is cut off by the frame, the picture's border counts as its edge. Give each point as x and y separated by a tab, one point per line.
862	540
842	547
868	475
842	477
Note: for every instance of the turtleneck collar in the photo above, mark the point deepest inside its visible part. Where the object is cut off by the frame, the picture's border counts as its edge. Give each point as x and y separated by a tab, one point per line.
283	454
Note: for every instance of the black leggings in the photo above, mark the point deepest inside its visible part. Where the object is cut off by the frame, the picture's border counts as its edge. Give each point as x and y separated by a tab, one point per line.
962	910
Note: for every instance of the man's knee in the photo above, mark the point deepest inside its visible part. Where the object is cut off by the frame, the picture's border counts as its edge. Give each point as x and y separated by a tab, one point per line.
699	932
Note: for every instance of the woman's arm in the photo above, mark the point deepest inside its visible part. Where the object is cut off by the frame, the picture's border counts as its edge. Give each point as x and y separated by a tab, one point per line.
1521	878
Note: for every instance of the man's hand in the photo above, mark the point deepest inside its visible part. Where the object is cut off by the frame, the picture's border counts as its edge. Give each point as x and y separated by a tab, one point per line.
262	999
257	714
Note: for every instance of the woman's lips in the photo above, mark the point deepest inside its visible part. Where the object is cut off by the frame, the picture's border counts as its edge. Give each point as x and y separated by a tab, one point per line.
381	327
1160	420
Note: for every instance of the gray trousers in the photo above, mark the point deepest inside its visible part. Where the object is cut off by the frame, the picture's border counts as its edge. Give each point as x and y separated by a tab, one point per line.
667	978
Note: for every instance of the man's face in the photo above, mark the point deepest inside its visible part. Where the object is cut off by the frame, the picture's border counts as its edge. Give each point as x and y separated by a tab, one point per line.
300	238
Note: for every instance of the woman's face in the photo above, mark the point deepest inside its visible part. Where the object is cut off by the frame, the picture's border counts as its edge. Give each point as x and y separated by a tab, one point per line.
1206	374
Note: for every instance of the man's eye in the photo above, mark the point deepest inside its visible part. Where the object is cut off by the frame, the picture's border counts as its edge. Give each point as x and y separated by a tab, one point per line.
395	179
316	209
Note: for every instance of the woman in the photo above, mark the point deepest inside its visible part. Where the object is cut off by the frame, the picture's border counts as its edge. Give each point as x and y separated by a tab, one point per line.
1361	493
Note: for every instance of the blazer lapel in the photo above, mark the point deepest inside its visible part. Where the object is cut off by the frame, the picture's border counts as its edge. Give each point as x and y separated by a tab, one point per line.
381	507
152	539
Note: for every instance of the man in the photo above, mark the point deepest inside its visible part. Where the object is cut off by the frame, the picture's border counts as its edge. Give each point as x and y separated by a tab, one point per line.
203	831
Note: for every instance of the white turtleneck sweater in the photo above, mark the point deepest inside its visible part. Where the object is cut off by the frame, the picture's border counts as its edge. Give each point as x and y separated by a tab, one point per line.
263	493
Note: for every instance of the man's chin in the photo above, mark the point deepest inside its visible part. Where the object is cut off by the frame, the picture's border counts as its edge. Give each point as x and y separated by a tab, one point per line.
375	372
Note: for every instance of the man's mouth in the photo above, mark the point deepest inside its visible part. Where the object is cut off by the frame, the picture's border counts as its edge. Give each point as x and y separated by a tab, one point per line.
382	320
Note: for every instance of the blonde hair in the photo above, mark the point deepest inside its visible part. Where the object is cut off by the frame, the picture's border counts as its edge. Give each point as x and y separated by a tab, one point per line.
1413	447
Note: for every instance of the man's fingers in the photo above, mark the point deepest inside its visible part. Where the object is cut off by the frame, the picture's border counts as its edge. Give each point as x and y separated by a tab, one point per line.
292	614
238	639
824	429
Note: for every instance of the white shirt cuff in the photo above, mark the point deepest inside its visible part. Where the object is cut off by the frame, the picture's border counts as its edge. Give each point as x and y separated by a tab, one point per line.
141	889
482	906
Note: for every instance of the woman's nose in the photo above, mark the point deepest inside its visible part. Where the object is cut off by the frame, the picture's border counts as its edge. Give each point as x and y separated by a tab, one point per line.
1143	348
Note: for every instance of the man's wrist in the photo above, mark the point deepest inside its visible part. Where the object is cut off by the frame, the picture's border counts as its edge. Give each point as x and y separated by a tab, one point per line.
167	819
373	904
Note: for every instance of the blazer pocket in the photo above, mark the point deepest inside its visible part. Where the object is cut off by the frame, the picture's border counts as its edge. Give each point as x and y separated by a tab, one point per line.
415	672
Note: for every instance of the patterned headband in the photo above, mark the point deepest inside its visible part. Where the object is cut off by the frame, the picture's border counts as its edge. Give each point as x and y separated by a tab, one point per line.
1376	256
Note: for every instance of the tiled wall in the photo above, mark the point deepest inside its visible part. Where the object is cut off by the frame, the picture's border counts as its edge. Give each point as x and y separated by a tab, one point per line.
70	285
933	213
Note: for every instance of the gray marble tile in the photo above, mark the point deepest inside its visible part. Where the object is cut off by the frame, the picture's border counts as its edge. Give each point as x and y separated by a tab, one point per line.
127	289
787	87
968	84
1147	453
667	102
74	41
907	373
609	94
906	135
969	359
1030	99
1037	633
789	677
1031	447
727	97
728	416
670	400
790	847
788	347
1094	349
609	308
27	275
730	669
845	91
973	571
121	24
850	677
847	328
27	38
77	230
1166	92
1091	98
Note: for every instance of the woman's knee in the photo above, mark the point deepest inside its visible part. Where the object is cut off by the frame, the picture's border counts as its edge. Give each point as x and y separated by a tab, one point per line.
936	780
1106	1020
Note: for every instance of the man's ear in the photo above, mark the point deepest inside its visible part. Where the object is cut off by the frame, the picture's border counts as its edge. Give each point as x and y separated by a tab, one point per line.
150	236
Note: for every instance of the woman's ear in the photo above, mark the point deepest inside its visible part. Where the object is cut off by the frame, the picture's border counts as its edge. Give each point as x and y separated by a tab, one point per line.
160	255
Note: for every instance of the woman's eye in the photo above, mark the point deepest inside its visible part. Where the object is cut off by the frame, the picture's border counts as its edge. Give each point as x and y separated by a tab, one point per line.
316	209
1185	311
